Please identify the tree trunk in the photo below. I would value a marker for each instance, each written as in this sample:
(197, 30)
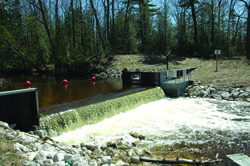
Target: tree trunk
(248, 33)
(195, 27)
(165, 26)
(231, 8)
(108, 36)
(44, 21)
(219, 24)
(126, 25)
(46, 27)
(73, 22)
(113, 26)
(212, 25)
(97, 24)
(248, 29)
(24, 58)
(82, 37)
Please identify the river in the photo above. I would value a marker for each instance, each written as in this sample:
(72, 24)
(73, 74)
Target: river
(193, 128)
(54, 96)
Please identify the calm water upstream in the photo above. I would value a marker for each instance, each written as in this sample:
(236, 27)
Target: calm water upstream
(53, 95)
(191, 127)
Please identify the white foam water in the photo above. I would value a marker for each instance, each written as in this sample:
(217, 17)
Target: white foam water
(172, 121)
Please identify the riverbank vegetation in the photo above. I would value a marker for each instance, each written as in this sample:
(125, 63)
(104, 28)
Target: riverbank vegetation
(8, 155)
(48, 35)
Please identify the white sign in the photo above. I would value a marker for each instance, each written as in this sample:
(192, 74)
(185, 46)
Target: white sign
(171, 73)
(217, 52)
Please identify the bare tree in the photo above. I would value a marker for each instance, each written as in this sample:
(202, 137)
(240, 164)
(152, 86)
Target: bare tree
(248, 28)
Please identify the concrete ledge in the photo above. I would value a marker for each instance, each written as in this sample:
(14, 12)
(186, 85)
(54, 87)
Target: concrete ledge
(174, 88)
(237, 160)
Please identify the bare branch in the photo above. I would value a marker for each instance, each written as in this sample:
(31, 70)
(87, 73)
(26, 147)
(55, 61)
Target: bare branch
(245, 3)
(179, 161)
(34, 4)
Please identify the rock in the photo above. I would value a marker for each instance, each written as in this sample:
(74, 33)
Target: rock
(103, 75)
(121, 163)
(135, 159)
(58, 157)
(89, 147)
(27, 138)
(80, 163)
(11, 136)
(216, 96)
(49, 156)
(136, 135)
(68, 158)
(47, 162)
(60, 163)
(106, 159)
(235, 93)
(93, 163)
(135, 143)
(29, 163)
(211, 90)
(4, 125)
(40, 156)
(131, 152)
(41, 133)
(225, 95)
(112, 144)
(245, 94)
(21, 148)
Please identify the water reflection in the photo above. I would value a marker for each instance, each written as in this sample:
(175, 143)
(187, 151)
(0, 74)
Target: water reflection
(54, 95)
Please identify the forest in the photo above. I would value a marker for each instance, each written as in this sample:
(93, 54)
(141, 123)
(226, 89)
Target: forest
(68, 33)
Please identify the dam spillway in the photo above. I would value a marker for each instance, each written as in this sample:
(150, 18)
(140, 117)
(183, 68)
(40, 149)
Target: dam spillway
(59, 123)
(195, 128)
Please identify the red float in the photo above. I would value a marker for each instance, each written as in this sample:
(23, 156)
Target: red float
(28, 84)
(65, 82)
(93, 78)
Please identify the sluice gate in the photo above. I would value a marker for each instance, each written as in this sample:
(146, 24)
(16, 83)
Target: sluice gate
(173, 82)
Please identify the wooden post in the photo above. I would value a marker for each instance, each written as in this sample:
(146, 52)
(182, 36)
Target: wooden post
(216, 70)
(217, 53)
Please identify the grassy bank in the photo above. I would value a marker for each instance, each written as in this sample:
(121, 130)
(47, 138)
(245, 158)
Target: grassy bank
(233, 72)
(8, 155)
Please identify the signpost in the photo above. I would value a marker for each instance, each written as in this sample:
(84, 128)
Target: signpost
(217, 52)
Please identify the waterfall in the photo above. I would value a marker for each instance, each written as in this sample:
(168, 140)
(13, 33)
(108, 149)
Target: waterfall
(59, 123)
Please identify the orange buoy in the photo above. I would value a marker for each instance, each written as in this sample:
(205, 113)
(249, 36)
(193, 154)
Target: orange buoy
(65, 82)
(93, 78)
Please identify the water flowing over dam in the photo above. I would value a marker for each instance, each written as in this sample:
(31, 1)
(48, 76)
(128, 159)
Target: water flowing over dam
(191, 127)
(58, 123)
